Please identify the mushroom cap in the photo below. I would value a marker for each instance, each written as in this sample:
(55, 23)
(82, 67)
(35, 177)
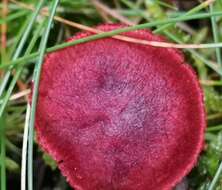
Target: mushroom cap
(120, 116)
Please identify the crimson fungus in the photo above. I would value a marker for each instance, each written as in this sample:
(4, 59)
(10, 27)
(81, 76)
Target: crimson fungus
(120, 116)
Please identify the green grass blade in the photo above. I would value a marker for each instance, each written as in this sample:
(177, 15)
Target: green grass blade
(215, 35)
(216, 177)
(21, 45)
(3, 154)
(18, 37)
(165, 4)
(218, 56)
(196, 54)
(191, 16)
(190, 12)
(11, 147)
(19, 70)
(24, 149)
(215, 128)
(14, 16)
(36, 78)
(32, 56)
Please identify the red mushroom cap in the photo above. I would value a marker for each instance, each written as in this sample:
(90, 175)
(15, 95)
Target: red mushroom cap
(120, 116)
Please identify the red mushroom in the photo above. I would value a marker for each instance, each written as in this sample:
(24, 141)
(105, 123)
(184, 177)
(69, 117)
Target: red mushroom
(120, 116)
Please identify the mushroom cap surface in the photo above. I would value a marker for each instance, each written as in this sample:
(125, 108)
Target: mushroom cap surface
(120, 116)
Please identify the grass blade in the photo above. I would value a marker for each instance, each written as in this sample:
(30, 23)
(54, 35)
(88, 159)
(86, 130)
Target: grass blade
(109, 34)
(13, 16)
(216, 177)
(215, 128)
(3, 154)
(36, 78)
(24, 149)
(19, 70)
(173, 37)
(192, 11)
(21, 45)
(215, 35)
(218, 56)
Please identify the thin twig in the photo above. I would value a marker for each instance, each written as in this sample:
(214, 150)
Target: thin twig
(211, 82)
(20, 94)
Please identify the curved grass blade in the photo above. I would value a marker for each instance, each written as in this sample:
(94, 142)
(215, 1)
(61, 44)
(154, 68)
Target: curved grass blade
(24, 149)
(37, 72)
(21, 45)
(19, 70)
